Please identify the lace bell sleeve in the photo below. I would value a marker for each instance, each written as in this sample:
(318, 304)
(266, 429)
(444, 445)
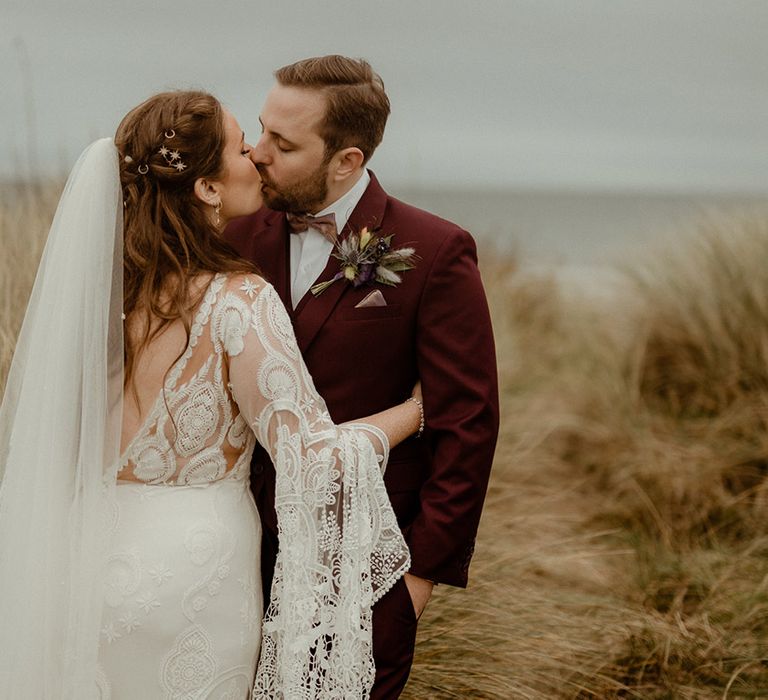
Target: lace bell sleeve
(340, 546)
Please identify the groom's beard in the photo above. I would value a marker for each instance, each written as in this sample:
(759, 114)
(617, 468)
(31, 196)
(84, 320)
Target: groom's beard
(304, 196)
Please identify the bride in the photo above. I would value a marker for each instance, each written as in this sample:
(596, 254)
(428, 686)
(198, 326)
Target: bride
(150, 362)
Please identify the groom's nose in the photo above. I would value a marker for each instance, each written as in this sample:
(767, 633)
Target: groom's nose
(259, 153)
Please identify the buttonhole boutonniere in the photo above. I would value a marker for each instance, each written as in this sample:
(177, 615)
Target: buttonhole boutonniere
(367, 258)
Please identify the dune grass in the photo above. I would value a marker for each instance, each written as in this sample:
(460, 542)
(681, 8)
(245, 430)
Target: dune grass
(26, 212)
(623, 550)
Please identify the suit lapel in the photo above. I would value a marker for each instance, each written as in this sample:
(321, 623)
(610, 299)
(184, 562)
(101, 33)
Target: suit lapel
(312, 312)
(274, 250)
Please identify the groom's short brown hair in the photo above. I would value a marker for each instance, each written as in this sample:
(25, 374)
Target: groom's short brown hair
(357, 106)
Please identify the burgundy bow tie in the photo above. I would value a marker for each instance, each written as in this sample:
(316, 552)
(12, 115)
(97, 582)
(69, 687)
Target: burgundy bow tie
(326, 224)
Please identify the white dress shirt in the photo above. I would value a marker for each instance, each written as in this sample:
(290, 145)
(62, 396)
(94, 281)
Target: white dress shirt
(310, 250)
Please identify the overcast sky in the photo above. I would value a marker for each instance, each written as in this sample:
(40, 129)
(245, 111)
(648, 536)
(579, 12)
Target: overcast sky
(617, 94)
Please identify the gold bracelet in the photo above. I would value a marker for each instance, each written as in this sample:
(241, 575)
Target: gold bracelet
(421, 414)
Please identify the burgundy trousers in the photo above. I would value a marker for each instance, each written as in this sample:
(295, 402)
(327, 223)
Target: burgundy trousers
(394, 637)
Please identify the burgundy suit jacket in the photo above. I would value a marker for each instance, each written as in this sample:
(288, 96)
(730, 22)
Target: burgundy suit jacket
(435, 327)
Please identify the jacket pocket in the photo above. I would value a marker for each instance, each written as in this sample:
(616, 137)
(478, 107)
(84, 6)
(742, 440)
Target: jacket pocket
(370, 313)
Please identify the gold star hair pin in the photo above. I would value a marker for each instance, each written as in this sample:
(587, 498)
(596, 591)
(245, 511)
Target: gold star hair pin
(172, 158)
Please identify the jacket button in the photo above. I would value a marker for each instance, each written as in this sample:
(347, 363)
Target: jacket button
(257, 468)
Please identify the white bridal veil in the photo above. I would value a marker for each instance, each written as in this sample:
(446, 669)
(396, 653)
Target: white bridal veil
(59, 442)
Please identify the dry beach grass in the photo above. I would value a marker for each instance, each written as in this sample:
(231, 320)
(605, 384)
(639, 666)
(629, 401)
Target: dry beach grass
(622, 553)
(623, 548)
(25, 215)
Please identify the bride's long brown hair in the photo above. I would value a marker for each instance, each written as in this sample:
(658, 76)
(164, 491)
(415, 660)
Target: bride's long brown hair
(169, 239)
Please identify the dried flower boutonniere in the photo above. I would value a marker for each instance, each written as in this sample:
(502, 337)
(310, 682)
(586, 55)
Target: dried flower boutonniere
(368, 258)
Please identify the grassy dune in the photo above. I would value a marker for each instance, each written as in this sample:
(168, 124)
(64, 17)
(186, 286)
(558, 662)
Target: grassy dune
(623, 547)
(25, 215)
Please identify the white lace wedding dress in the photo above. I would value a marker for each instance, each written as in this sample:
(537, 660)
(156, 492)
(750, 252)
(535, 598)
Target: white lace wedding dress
(182, 615)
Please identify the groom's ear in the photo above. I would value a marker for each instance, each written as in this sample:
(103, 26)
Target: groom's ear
(347, 161)
(207, 191)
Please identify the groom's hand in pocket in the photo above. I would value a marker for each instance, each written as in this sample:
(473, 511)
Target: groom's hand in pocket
(420, 590)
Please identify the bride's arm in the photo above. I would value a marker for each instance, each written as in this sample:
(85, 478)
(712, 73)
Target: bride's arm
(398, 422)
(341, 547)
(271, 383)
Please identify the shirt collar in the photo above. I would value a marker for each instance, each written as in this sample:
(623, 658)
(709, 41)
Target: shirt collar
(343, 207)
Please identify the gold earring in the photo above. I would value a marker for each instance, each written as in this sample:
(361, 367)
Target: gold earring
(217, 212)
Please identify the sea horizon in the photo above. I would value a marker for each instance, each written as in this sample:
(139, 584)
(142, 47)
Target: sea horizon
(561, 226)
(557, 226)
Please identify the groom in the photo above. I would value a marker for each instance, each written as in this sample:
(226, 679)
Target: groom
(366, 347)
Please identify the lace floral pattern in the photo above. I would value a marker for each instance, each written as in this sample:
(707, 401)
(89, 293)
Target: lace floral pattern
(190, 665)
(242, 379)
(193, 424)
(340, 546)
